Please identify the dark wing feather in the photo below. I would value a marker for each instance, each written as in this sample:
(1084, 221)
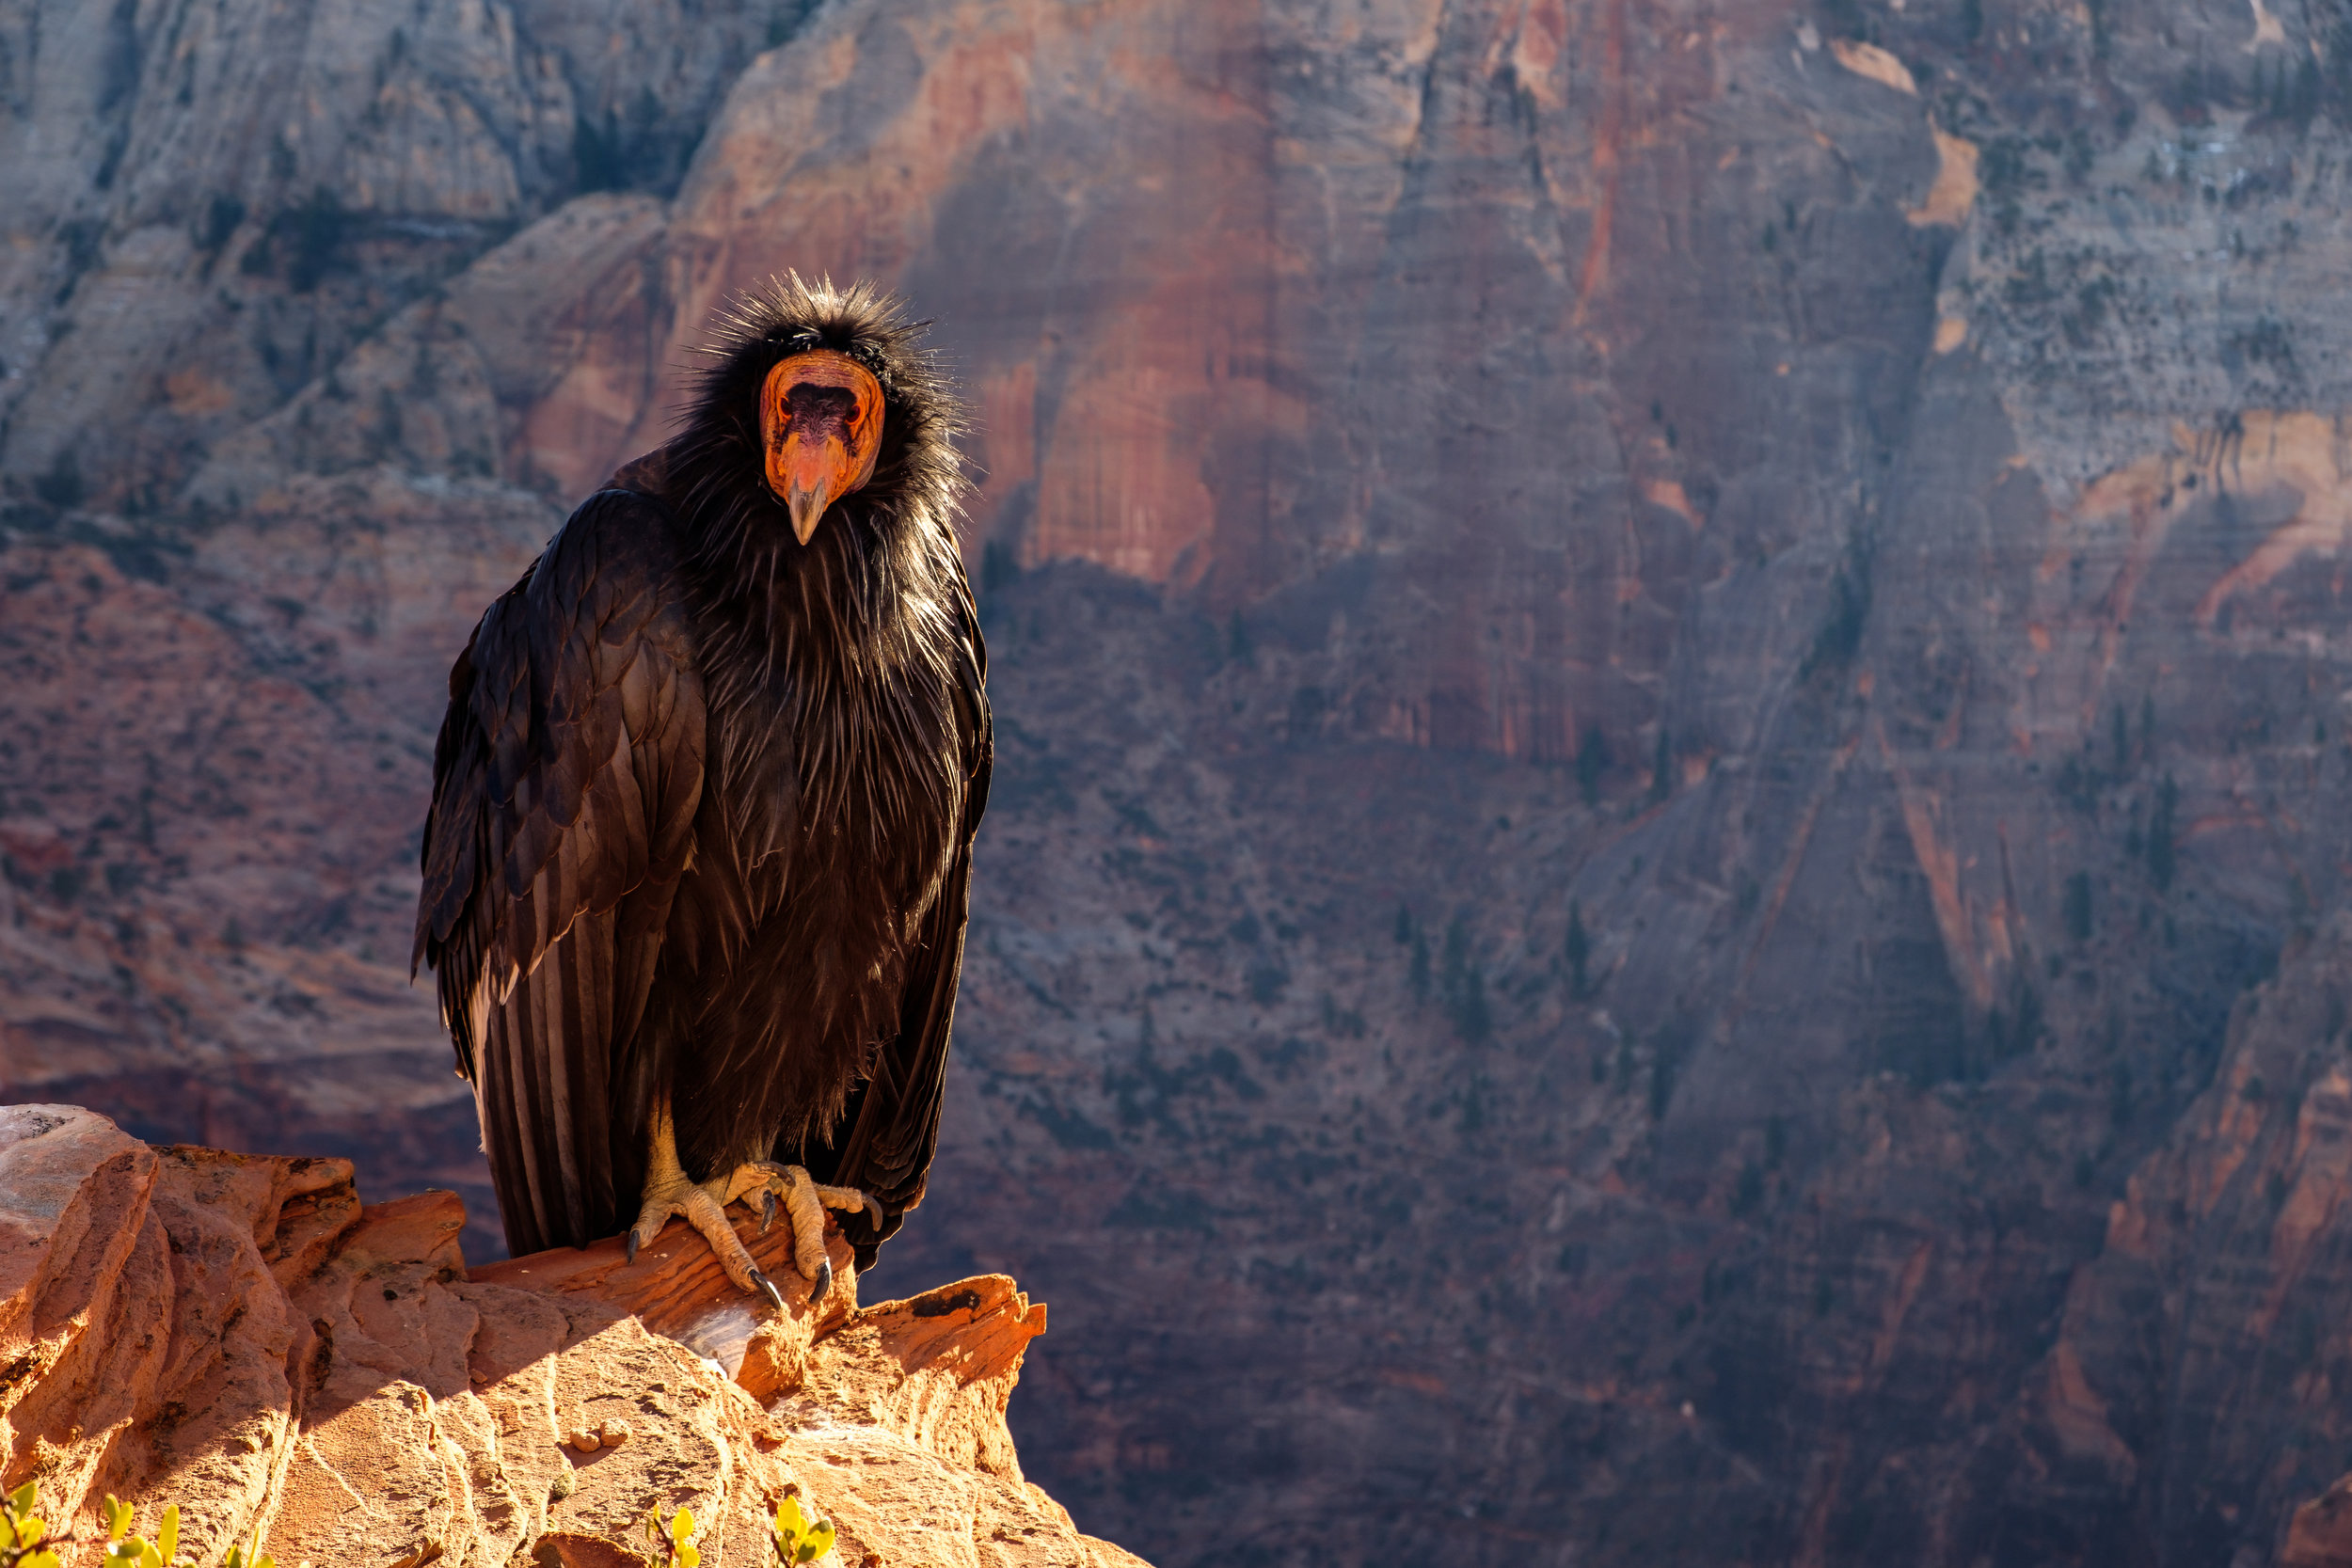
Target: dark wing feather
(564, 784)
(891, 1124)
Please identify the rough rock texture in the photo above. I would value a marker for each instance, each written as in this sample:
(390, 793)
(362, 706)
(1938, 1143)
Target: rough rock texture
(237, 1335)
(1666, 667)
(2201, 1369)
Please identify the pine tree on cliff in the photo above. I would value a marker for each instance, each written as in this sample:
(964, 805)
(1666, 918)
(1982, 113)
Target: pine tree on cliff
(698, 861)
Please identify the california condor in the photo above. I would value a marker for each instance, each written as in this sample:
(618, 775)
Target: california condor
(699, 855)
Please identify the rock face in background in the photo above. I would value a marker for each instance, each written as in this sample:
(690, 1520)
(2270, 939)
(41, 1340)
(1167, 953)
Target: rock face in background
(1673, 672)
(236, 1335)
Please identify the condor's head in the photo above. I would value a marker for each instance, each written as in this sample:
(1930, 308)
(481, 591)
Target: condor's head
(820, 410)
(820, 424)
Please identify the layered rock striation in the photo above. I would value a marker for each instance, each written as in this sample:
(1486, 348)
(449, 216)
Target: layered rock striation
(238, 1335)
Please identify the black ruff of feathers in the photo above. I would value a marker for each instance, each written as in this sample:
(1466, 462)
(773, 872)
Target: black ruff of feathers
(703, 807)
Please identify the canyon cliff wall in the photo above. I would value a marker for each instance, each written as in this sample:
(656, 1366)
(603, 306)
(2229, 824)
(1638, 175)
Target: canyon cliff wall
(1670, 671)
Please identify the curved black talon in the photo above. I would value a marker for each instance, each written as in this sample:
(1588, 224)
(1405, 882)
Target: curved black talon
(767, 1210)
(873, 1210)
(823, 1282)
(768, 1286)
(630, 1246)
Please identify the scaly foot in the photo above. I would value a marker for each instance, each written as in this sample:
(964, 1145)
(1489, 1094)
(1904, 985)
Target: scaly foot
(703, 1205)
(805, 1200)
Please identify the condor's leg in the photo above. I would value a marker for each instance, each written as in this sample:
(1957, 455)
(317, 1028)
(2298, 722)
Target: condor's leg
(700, 1204)
(805, 1200)
(703, 1205)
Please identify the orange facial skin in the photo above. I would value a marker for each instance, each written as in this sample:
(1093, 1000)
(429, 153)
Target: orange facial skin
(820, 419)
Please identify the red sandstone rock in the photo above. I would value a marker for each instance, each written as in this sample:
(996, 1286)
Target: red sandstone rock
(237, 1334)
(2319, 1535)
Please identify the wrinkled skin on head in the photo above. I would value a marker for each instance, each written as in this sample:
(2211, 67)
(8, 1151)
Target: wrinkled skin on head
(820, 419)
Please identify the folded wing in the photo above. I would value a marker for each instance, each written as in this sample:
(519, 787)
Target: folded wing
(564, 786)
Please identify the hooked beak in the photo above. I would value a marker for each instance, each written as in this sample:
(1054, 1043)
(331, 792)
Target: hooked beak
(820, 417)
(811, 473)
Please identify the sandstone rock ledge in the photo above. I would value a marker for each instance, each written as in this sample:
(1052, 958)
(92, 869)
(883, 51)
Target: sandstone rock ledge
(239, 1335)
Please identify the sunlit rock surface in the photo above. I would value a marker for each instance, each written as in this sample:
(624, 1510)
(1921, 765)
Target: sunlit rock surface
(236, 1335)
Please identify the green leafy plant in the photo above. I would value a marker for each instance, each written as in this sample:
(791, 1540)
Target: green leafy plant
(248, 1556)
(24, 1538)
(124, 1547)
(674, 1542)
(799, 1538)
(26, 1541)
